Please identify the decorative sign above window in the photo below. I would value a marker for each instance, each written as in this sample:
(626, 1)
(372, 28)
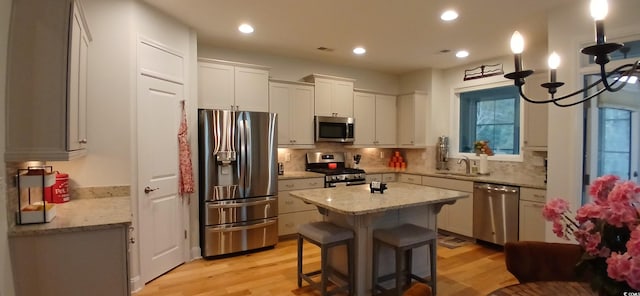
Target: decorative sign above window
(483, 71)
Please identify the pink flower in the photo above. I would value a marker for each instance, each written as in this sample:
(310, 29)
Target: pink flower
(592, 243)
(554, 209)
(633, 276)
(558, 228)
(620, 214)
(618, 266)
(615, 204)
(588, 211)
(622, 193)
(633, 245)
(600, 188)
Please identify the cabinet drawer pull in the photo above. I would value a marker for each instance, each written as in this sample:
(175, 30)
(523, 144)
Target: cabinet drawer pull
(288, 185)
(313, 183)
(83, 141)
(289, 202)
(538, 196)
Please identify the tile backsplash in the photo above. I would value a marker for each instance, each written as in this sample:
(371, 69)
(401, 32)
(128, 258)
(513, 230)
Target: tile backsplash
(370, 156)
(418, 160)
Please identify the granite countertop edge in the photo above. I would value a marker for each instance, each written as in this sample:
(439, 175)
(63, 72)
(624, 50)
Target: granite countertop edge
(81, 215)
(353, 197)
(373, 211)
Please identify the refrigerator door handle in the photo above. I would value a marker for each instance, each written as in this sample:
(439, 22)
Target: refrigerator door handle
(229, 204)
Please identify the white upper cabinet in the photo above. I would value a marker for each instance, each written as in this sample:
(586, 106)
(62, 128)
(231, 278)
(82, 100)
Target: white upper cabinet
(333, 95)
(228, 85)
(47, 81)
(293, 102)
(412, 119)
(535, 115)
(375, 116)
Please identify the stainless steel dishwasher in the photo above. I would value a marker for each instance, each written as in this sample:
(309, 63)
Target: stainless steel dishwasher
(495, 212)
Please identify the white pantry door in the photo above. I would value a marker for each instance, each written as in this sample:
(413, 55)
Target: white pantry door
(159, 205)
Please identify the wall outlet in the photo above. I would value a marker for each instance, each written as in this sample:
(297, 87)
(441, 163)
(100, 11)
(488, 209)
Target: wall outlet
(381, 154)
(287, 157)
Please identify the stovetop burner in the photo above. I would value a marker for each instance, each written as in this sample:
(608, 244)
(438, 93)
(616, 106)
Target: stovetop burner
(337, 171)
(333, 167)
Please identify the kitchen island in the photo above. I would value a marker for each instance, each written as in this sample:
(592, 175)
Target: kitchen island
(356, 208)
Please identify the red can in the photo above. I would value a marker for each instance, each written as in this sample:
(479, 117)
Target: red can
(59, 191)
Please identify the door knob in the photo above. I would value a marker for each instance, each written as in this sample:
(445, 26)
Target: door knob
(149, 189)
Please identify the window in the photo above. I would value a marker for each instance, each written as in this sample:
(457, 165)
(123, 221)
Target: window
(614, 143)
(492, 115)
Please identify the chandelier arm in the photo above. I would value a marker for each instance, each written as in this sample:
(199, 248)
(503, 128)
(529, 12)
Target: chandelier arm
(530, 100)
(557, 99)
(622, 72)
(581, 101)
(633, 67)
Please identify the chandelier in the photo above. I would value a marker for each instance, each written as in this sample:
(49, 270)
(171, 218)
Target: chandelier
(599, 51)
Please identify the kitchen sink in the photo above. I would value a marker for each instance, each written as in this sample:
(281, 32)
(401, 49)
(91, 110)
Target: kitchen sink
(456, 174)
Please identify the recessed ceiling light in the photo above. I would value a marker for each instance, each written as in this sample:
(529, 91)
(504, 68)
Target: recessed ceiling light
(245, 28)
(449, 15)
(359, 50)
(462, 54)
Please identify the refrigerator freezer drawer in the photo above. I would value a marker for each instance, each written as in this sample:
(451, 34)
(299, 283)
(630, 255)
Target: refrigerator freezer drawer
(219, 240)
(242, 210)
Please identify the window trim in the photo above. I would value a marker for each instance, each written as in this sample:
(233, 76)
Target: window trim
(454, 125)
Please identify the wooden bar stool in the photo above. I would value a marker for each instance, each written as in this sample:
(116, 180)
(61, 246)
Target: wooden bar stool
(326, 235)
(403, 239)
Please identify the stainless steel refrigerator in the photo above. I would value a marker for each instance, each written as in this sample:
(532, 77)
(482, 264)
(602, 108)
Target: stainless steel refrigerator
(238, 183)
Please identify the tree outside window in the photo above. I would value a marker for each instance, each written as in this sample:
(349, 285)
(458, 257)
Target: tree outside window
(492, 115)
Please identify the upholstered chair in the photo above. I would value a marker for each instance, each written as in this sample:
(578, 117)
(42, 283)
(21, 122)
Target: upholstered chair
(531, 261)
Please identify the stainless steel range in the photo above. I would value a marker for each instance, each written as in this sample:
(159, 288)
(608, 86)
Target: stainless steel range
(333, 167)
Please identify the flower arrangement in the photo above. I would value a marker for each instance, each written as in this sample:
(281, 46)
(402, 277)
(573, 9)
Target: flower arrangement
(482, 147)
(608, 229)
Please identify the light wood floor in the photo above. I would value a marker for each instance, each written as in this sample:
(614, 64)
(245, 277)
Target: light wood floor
(467, 270)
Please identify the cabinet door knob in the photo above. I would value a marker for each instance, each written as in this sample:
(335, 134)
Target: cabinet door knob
(83, 141)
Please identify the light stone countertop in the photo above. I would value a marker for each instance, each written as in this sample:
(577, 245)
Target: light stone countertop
(299, 175)
(82, 215)
(358, 200)
(513, 180)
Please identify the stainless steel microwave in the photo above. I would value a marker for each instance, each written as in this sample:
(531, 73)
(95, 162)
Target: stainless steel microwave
(334, 129)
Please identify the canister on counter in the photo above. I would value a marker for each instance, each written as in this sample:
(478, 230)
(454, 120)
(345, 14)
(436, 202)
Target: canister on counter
(59, 191)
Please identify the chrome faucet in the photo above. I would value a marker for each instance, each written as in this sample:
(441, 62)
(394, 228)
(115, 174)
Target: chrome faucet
(467, 167)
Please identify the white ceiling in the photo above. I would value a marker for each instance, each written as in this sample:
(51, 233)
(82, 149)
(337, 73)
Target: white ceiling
(400, 35)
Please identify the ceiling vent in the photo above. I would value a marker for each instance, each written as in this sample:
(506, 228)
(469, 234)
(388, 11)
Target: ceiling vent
(322, 48)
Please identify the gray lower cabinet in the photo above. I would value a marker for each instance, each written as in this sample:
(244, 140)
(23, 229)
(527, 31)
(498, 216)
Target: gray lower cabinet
(87, 262)
(385, 178)
(293, 211)
(531, 224)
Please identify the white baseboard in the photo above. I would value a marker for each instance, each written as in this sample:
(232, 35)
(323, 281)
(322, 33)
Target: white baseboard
(195, 253)
(136, 284)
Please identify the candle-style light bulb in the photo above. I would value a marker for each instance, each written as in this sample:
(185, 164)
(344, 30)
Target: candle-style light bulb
(517, 43)
(554, 62)
(599, 10)
(517, 47)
